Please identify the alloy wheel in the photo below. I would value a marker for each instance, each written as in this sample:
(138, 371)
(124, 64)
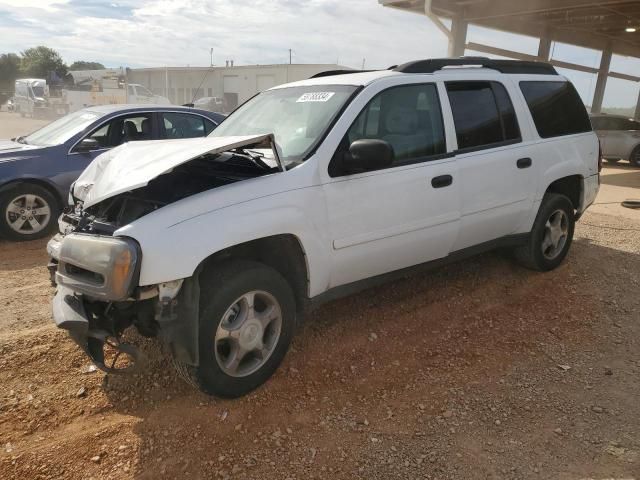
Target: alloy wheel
(28, 214)
(248, 333)
(555, 234)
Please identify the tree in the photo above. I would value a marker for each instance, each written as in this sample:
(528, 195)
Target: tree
(82, 65)
(38, 62)
(9, 70)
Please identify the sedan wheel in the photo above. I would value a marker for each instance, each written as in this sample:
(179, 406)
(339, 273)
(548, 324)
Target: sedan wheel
(28, 214)
(635, 157)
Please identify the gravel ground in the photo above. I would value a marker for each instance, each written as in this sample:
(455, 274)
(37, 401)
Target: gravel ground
(477, 370)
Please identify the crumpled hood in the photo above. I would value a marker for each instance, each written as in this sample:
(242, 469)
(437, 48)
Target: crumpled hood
(9, 146)
(134, 164)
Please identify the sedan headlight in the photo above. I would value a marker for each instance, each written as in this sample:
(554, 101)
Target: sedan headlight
(98, 266)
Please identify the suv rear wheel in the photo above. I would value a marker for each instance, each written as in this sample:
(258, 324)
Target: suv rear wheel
(635, 157)
(551, 235)
(247, 321)
(27, 212)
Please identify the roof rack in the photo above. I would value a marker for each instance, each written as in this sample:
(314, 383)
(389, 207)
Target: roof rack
(504, 66)
(330, 73)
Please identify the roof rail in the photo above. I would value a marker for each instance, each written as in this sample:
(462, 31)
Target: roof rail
(504, 66)
(330, 73)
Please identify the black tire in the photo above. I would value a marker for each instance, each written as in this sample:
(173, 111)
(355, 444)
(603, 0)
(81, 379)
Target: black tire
(612, 160)
(531, 254)
(44, 196)
(221, 287)
(635, 157)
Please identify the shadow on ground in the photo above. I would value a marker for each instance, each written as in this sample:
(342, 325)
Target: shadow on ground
(476, 370)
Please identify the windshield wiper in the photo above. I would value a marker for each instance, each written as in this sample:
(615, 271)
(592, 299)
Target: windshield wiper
(256, 158)
(21, 139)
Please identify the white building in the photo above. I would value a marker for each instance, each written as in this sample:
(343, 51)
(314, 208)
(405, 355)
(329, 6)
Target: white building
(235, 84)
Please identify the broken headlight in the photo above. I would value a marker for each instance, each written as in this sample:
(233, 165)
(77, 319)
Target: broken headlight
(98, 266)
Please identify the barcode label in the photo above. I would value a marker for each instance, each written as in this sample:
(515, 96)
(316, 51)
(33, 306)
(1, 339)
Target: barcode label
(315, 97)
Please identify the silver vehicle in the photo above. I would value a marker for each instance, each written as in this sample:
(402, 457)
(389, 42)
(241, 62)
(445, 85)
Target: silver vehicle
(31, 96)
(211, 104)
(619, 137)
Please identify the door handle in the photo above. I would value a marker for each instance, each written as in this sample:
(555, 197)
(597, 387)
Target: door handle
(441, 181)
(524, 162)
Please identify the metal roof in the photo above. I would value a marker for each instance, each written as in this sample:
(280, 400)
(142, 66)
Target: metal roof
(586, 23)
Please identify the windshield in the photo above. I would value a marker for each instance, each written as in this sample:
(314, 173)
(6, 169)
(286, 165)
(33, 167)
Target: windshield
(142, 91)
(297, 116)
(38, 91)
(62, 129)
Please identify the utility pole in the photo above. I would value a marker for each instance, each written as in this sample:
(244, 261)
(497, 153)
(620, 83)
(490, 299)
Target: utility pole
(363, 60)
(289, 56)
(211, 55)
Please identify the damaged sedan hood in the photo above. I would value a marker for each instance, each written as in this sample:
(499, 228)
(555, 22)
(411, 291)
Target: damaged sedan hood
(135, 164)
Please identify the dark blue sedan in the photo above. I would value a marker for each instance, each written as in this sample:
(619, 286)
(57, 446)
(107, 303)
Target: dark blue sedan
(37, 170)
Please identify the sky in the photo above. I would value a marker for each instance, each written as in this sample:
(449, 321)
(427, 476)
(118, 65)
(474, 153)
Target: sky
(144, 33)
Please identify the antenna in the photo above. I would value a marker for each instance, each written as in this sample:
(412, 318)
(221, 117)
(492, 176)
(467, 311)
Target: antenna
(198, 89)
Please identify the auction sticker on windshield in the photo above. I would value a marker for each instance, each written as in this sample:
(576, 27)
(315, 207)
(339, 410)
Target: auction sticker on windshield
(315, 97)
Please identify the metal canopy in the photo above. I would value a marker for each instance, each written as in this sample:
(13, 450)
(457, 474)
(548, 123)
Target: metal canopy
(593, 24)
(611, 26)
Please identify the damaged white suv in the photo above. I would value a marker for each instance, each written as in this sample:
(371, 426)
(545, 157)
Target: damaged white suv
(314, 190)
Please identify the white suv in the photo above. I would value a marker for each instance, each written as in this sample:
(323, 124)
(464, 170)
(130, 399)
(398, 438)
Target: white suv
(314, 190)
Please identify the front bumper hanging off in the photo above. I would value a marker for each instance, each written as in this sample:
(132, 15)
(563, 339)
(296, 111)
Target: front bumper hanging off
(69, 313)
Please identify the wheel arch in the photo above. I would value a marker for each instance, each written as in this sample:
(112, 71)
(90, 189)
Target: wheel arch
(283, 252)
(41, 182)
(570, 186)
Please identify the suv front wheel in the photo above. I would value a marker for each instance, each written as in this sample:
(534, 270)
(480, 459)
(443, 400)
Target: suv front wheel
(247, 321)
(551, 235)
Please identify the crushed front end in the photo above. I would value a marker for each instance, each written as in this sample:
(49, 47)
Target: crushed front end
(97, 271)
(98, 298)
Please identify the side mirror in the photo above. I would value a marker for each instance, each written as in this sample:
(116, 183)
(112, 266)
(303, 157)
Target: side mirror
(87, 145)
(368, 154)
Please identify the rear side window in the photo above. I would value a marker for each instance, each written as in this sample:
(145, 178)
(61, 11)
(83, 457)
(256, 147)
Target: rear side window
(556, 108)
(185, 125)
(616, 123)
(482, 113)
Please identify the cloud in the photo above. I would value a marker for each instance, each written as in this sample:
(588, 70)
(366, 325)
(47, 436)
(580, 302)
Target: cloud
(139, 33)
(173, 32)
(49, 5)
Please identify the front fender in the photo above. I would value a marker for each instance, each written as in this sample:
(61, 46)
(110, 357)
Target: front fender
(174, 251)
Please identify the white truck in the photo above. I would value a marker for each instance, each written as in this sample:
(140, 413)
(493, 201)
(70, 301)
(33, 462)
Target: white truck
(314, 190)
(31, 97)
(106, 87)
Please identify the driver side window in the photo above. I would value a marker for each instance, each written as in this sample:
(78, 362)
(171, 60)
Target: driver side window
(125, 128)
(407, 117)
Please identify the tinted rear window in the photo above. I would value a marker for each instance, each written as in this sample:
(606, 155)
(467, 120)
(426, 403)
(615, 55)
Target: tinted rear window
(482, 113)
(556, 108)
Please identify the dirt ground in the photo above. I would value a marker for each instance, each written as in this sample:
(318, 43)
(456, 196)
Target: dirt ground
(479, 370)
